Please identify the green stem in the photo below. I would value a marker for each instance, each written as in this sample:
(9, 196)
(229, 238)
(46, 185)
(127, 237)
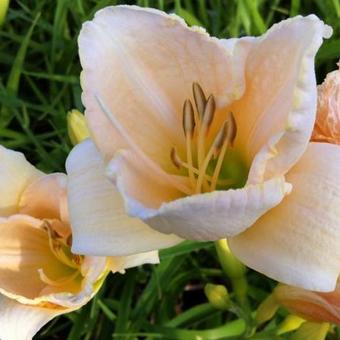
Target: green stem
(234, 269)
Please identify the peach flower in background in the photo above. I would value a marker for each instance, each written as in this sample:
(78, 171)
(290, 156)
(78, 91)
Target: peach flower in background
(40, 277)
(199, 138)
(313, 306)
(327, 124)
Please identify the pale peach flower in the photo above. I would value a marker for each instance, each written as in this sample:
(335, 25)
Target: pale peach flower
(313, 306)
(327, 124)
(200, 138)
(40, 277)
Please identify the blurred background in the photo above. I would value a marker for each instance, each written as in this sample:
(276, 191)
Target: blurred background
(39, 83)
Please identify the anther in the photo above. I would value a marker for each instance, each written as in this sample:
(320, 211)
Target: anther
(232, 128)
(220, 139)
(175, 159)
(69, 240)
(209, 112)
(51, 232)
(188, 118)
(77, 259)
(200, 100)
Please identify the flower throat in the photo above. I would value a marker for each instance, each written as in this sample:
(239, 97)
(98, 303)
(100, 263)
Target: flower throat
(196, 126)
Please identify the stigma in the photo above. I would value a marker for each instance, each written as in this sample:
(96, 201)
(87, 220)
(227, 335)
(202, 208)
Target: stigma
(197, 120)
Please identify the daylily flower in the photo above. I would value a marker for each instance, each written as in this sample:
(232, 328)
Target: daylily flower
(327, 124)
(313, 306)
(200, 138)
(40, 277)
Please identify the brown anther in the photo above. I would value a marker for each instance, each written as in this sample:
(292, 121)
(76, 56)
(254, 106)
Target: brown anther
(69, 240)
(188, 118)
(209, 113)
(175, 159)
(200, 100)
(220, 139)
(51, 232)
(76, 259)
(232, 128)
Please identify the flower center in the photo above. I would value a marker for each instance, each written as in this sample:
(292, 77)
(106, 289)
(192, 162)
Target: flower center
(61, 249)
(203, 165)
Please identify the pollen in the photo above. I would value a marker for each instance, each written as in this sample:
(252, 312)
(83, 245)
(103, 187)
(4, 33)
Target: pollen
(197, 122)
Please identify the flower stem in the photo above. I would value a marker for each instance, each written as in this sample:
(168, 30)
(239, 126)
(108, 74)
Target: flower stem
(234, 269)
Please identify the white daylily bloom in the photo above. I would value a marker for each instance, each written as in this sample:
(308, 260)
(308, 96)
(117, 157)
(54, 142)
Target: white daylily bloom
(40, 277)
(200, 138)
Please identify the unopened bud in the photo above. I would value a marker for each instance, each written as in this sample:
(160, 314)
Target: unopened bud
(290, 323)
(3, 10)
(218, 296)
(267, 309)
(312, 330)
(77, 127)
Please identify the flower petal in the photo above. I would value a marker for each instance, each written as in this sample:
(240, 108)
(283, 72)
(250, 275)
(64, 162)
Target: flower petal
(98, 219)
(319, 307)
(280, 97)
(16, 173)
(297, 242)
(229, 212)
(24, 250)
(22, 322)
(120, 263)
(44, 197)
(145, 80)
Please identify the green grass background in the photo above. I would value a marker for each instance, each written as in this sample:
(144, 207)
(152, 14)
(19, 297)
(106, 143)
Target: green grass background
(39, 83)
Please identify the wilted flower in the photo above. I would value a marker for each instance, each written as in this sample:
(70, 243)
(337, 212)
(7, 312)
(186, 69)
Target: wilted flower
(40, 277)
(199, 138)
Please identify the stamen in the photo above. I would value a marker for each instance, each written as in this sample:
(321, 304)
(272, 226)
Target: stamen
(180, 164)
(59, 247)
(69, 240)
(209, 113)
(203, 169)
(189, 128)
(176, 161)
(208, 117)
(77, 259)
(219, 139)
(199, 98)
(232, 128)
(229, 137)
(188, 119)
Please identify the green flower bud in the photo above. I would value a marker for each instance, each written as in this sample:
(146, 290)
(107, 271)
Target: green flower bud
(218, 296)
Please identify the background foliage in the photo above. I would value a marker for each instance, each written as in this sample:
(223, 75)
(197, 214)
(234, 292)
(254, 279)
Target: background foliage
(39, 83)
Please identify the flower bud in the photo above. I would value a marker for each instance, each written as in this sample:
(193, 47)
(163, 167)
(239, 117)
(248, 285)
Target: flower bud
(312, 330)
(313, 306)
(218, 296)
(3, 10)
(290, 323)
(266, 310)
(77, 127)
